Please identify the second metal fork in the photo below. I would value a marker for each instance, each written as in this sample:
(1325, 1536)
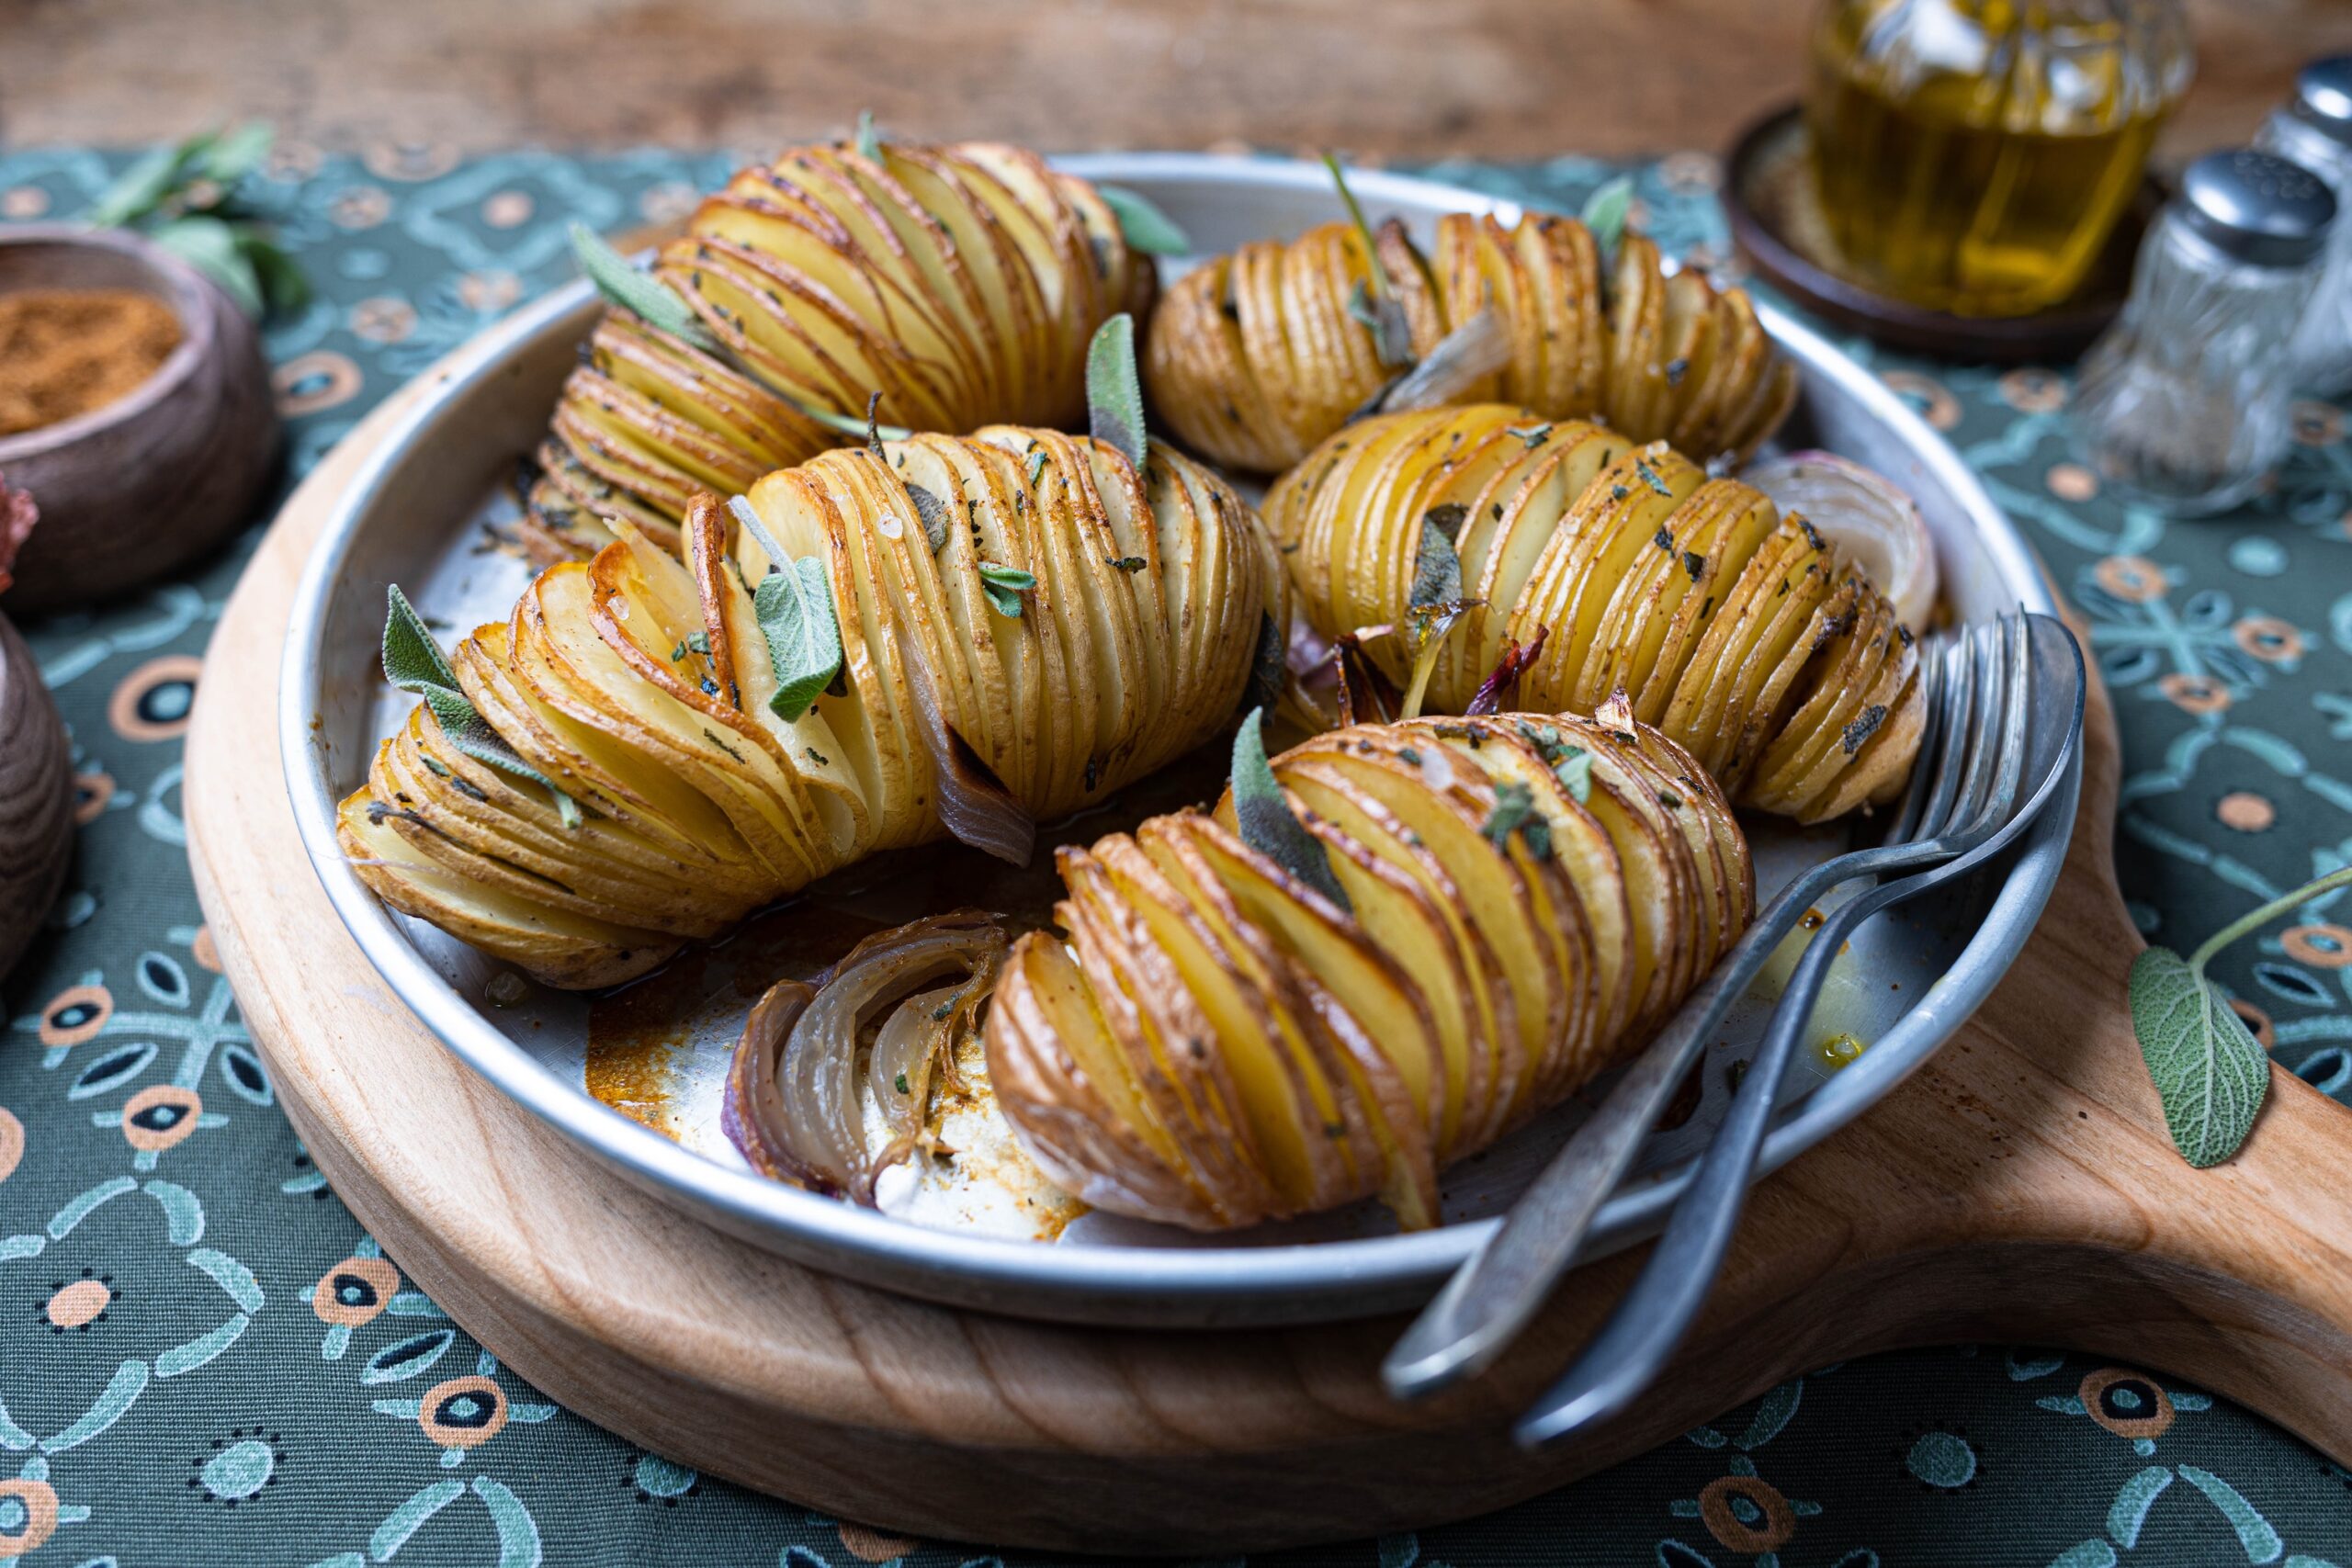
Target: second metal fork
(1972, 756)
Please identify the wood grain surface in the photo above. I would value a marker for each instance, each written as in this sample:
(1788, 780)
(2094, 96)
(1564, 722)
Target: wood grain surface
(36, 797)
(1380, 78)
(2019, 1187)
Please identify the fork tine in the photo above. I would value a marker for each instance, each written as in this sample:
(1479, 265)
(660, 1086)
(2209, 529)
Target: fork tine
(1985, 728)
(1931, 734)
(2018, 694)
(1951, 756)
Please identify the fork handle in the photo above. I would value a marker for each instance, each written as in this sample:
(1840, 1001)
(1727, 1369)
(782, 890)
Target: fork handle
(1651, 1319)
(1491, 1297)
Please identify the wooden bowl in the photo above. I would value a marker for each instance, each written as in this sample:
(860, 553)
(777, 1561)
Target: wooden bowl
(143, 486)
(1776, 223)
(36, 797)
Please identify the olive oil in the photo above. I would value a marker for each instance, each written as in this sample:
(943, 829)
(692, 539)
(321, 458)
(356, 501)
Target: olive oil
(1974, 155)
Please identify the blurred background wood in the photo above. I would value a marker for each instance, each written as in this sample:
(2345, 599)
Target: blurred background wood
(1395, 78)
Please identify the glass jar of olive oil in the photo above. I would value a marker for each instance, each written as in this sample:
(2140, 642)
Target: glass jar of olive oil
(1972, 155)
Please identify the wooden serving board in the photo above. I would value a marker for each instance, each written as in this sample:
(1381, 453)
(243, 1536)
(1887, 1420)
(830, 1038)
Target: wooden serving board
(2019, 1187)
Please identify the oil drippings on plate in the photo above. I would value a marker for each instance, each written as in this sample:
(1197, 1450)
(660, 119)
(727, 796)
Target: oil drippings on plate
(659, 1048)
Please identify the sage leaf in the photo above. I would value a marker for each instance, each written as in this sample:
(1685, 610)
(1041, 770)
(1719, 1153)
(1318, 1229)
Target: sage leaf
(141, 188)
(1142, 224)
(640, 293)
(795, 609)
(209, 245)
(869, 141)
(1604, 213)
(1437, 569)
(932, 512)
(1574, 773)
(1374, 305)
(1004, 585)
(1113, 391)
(1267, 664)
(233, 155)
(2209, 1070)
(1268, 825)
(414, 662)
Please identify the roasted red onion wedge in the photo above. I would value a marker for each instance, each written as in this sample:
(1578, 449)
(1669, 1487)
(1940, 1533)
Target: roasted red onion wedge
(792, 1103)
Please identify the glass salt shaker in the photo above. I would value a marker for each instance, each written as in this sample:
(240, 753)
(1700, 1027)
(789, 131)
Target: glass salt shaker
(2183, 404)
(2315, 128)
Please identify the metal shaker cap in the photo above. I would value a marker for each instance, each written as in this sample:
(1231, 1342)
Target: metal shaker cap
(2256, 208)
(2324, 96)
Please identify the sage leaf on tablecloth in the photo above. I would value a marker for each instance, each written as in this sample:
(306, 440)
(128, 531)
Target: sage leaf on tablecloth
(1268, 825)
(640, 293)
(209, 245)
(414, 662)
(1142, 224)
(1113, 390)
(2209, 1070)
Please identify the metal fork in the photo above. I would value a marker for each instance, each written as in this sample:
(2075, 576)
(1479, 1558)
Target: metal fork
(1973, 755)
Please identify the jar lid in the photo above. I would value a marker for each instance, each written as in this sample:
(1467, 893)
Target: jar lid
(2324, 96)
(2256, 208)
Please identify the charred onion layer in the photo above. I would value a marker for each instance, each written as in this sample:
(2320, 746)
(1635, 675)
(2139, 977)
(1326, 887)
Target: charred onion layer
(1740, 631)
(1216, 1043)
(1255, 358)
(639, 684)
(962, 282)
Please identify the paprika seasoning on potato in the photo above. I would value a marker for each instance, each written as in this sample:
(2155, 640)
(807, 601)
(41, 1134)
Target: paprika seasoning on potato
(68, 352)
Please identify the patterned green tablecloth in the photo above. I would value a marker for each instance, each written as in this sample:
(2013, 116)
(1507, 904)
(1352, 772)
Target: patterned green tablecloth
(204, 1359)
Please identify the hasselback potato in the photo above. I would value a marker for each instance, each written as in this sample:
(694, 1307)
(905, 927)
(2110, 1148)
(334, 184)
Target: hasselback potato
(1521, 899)
(1744, 634)
(1255, 358)
(643, 690)
(962, 282)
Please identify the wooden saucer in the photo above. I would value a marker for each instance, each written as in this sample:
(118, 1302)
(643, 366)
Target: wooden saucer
(2019, 1187)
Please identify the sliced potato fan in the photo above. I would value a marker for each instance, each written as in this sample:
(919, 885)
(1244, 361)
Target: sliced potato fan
(1213, 1042)
(639, 685)
(1739, 631)
(1255, 358)
(961, 282)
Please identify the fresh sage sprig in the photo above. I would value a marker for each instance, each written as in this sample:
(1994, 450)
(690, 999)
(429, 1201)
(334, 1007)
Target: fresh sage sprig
(1376, 305)
(794, 604)
(869, 140)
(1266, 821)
(1142, 225)
(1004, 585)
(189, 198)
(415, 662)
(2209, 1070)
(641, 293)
(1113, 390)
(1604, 213)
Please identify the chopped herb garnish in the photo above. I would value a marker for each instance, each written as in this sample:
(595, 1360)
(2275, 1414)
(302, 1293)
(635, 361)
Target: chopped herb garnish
(932, 512)
(1649, 476)
(818, 757)
(1694, 563)
(901, 1080)
(1574, 773)
(1534, 436)
(712, 735)
(1126, 563)
(1863, 728)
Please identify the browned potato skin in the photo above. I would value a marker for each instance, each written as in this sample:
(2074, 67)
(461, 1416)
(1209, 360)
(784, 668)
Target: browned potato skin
(1254, 358)
(1214, 1044)
(701, 804)
(963, 282)
(1739, 633)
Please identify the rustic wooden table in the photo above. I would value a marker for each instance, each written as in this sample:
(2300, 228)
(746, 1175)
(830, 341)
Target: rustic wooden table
(1379, 78)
